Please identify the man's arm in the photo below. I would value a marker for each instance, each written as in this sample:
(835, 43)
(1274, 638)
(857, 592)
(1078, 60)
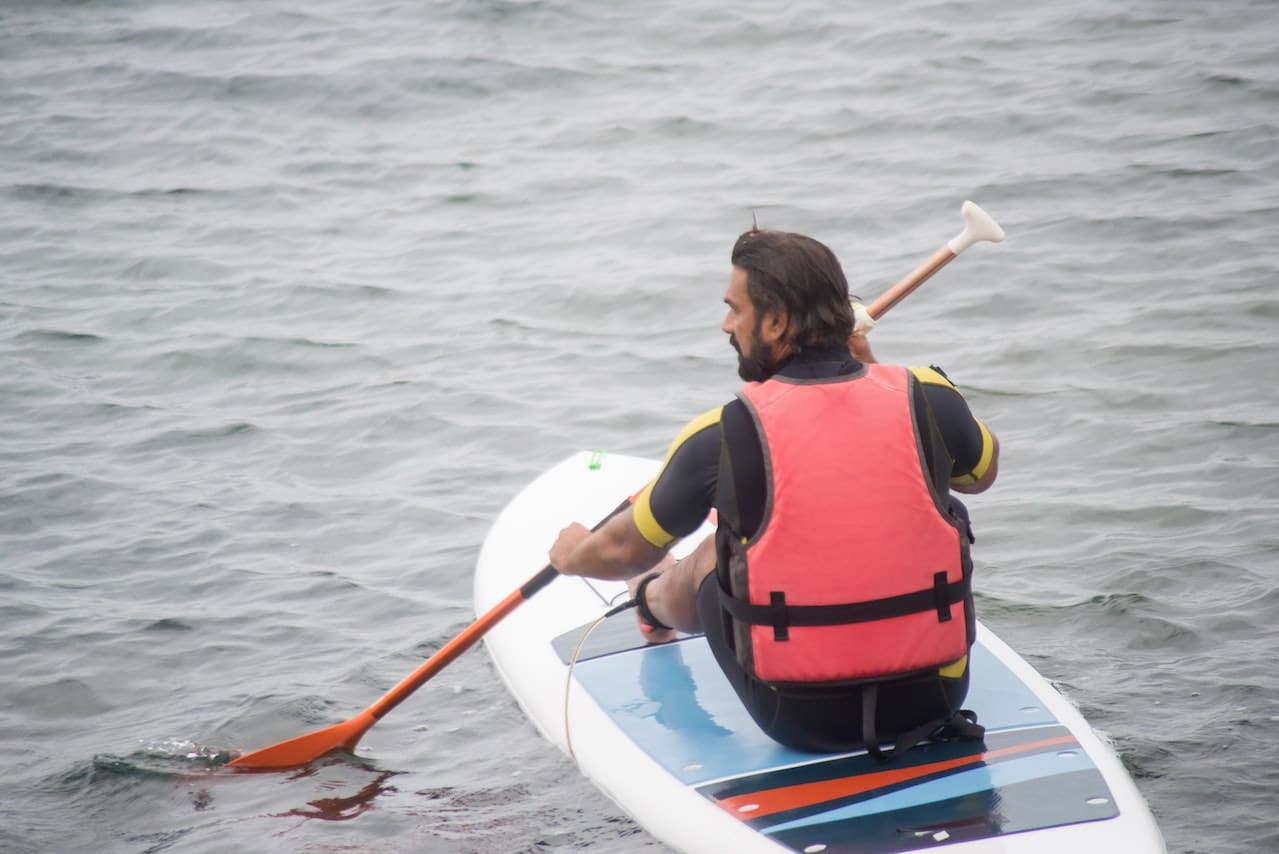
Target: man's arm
(672, 596)
(973, 448)
(673, 505)
(971, 484)
(614, 552)
(976, 451)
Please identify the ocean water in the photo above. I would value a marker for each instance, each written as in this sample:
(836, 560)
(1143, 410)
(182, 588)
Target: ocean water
(294, 297)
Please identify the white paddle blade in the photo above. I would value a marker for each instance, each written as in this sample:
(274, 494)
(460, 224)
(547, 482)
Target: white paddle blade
(978, 226)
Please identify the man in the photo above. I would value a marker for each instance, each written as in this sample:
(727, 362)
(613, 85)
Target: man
(835, 593)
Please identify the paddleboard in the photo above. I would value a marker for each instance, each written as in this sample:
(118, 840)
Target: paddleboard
(659, 730)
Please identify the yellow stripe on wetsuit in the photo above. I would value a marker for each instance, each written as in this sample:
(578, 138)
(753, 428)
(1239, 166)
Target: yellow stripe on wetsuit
(645, 521)
(932, 376)
(987, 453)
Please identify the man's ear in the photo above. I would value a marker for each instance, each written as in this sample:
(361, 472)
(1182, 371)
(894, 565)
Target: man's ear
(772, 329)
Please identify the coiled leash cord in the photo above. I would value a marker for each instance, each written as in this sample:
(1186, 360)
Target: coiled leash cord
(572, 662)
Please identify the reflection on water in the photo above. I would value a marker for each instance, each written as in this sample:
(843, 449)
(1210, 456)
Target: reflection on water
(189, 764)
(344, 807)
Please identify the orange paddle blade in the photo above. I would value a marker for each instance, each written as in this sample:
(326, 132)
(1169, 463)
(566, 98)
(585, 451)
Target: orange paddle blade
(306, 748)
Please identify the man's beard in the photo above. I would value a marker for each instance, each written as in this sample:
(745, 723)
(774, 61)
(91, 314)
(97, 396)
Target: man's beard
(760, 365)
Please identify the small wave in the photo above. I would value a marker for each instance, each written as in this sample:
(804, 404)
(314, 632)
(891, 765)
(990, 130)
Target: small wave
(169, 624)
(303, 342)
(61, 698)
(1144, 626)
(50, 192)
(59, 336)
(164, 759)
(185, 438)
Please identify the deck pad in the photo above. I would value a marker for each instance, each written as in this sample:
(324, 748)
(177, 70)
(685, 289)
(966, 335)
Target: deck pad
(672, 700)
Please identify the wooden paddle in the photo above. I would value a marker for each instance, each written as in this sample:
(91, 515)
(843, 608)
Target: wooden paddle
(978, 226)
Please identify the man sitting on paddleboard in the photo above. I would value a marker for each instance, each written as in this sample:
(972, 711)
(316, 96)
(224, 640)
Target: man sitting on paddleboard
(836, 592)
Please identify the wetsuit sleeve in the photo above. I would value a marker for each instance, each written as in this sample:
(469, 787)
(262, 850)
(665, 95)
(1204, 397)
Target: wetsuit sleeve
(678, 500)
(967, 440)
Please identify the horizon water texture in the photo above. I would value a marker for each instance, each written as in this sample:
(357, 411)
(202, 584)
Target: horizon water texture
(294, 298)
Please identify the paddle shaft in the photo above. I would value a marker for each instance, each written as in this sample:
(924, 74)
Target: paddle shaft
(472, 633)
(978, 226)
(463, 641)
(917, 277)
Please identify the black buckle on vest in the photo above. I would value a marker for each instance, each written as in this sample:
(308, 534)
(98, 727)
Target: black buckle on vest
(941, 596)
(780, 617)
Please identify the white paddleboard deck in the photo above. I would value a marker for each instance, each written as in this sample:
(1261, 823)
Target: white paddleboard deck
(660, 731)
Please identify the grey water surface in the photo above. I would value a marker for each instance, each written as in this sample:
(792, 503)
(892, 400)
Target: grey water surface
(294, 297)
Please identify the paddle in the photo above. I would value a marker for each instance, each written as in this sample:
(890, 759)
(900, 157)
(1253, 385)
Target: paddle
(307, 748)
(978, 226)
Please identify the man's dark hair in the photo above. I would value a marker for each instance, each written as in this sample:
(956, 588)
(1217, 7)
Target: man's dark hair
(799, 276)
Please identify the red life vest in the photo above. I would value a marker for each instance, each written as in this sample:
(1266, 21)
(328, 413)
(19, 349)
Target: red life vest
(857, 572)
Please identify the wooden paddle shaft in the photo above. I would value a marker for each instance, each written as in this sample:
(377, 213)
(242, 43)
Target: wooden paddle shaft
(978, 226)
(917, 277)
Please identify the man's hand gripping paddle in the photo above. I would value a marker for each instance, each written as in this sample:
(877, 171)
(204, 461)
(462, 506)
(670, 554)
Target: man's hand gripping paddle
(978, 226)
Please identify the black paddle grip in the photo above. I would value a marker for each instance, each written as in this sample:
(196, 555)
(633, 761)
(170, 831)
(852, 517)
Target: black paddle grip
(537, 582)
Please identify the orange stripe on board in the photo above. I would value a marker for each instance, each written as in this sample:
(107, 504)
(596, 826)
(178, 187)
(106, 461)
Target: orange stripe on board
(769, 801)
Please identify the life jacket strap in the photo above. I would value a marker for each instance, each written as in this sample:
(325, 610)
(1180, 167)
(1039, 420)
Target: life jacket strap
(960, 725)
(870, 737)
(939, 598)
